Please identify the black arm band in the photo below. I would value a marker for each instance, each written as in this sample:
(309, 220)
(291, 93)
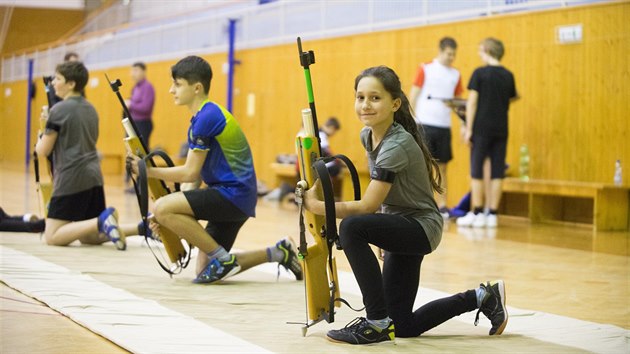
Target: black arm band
(384, 175)
(201, 141)
(53, 126)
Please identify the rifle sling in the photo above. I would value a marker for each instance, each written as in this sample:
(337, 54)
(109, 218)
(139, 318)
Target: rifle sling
(331, 233)
(141, 186)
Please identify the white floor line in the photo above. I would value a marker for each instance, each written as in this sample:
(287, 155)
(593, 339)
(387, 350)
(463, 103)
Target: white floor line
(136, 324)
(560, 330)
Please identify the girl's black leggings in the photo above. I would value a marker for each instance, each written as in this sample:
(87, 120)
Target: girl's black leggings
(393, 292)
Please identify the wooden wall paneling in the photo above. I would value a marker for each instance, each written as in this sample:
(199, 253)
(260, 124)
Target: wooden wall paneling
(572, 113)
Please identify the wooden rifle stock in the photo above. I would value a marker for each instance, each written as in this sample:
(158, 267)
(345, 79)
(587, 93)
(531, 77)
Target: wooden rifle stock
(157, 189)
(135, 145)
(44, 184)
(318, 278)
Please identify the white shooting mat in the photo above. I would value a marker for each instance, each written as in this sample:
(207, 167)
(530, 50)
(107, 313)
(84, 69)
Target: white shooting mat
(547, 327)
(136, 324)
(250, 311)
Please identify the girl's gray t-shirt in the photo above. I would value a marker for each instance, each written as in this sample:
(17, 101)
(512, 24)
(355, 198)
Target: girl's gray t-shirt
(411, 194)
(75, 161)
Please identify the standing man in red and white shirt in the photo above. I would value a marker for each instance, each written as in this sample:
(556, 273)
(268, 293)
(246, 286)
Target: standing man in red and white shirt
(437, 79)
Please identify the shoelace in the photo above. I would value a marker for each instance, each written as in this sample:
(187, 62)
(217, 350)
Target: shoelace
(287, 267)
(289, 263)
(477, 317)
(108, 233)
(208, 271)
(483, 308)
(357, 322)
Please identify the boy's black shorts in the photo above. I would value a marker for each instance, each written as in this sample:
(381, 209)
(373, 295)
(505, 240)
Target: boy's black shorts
(79, 206)
(224, 218)
(439, 142)
(493, 147)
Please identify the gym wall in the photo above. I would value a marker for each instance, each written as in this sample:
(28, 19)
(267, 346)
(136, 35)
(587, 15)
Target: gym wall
(570, 113)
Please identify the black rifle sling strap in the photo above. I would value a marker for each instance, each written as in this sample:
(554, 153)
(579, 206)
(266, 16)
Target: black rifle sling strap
(329, 197)
(331, 226)
(356, 185)
(36, 166)
(141, 185)
(331, 215)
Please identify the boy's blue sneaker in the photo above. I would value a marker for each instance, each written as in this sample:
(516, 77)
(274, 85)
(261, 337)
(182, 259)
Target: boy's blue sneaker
(291, 261)
(217, 270)
(108, 225)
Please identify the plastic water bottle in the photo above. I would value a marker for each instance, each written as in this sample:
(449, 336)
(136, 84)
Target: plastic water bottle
(618, 177)
(524, 163)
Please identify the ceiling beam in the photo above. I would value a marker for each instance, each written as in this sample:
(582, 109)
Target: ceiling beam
(46, 4)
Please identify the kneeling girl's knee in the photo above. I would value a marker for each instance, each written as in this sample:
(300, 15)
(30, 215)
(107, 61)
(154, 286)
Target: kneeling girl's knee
(350, 229)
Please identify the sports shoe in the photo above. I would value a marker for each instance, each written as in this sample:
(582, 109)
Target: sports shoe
(108, 225)
(491, 220)
(29, 218)
(360, 331)
(445, 213)
(493, 306)
(480, 220)
(217, 270)
(291, 261)
(148, 233)
(466, 220)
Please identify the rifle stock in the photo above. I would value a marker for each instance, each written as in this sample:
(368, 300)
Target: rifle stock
(172, 243)
(317, 278)
(44, 185)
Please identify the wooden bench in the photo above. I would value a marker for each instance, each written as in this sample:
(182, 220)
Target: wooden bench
(605, 206)
(285, 172)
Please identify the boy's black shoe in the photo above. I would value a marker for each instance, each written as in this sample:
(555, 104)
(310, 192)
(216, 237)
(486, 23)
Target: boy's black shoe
(360, 331)
(493, 306)
(291, 261)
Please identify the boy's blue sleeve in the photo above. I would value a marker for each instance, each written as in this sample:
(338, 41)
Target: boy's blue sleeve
(209, 123)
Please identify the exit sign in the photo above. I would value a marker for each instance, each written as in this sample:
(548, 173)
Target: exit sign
(569, 34)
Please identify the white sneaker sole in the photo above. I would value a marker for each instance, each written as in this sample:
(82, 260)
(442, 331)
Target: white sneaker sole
(501, 328)
(116, 235)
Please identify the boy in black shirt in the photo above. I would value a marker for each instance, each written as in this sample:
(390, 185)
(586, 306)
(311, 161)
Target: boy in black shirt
(490, 91)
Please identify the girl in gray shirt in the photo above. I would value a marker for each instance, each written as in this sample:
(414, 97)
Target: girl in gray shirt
(398, 214)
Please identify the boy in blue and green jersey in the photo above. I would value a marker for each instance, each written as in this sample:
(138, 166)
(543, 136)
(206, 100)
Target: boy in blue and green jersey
(219, 155)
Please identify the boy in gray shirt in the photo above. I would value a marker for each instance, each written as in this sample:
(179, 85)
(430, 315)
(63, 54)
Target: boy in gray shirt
(77, 207)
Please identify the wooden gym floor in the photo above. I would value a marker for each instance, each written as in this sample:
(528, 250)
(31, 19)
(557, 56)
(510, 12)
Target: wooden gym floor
(561, 270)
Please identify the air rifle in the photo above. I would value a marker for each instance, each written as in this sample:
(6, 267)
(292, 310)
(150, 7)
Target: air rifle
(44, 184)
(320, 269)
(458, 105)
(178, 254)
